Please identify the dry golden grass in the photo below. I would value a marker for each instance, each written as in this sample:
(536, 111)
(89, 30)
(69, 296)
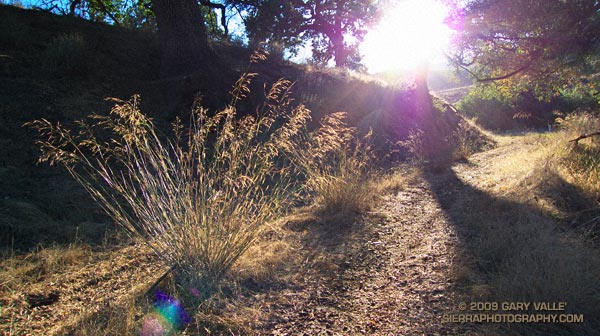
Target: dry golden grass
(22, 270)
(519, 255)
(393, 181)
(558, 176)
(200, 200)
(517, 221)
(122, 319)
(91, 287)
(337, 167)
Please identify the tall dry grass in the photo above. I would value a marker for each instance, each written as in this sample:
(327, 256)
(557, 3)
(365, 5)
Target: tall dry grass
(202, 197)
(198, 200)
(582, 157)
(338, 167)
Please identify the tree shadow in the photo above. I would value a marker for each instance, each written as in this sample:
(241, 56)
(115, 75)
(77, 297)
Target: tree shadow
(514, 252)
(577, 206)
(342, 242)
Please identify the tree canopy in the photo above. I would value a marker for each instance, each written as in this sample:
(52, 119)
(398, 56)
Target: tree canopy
(334, 28)
(548, 43)
(131, 13)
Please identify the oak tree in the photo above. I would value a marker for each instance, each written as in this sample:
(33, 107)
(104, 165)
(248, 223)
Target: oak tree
(548, 43)
(333, 27)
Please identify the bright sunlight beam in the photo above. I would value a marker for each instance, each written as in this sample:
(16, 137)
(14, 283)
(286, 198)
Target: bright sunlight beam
(411, 33)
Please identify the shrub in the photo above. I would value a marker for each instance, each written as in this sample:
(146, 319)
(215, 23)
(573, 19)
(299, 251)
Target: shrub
(494, 108)
(198, 200)
(489, 109)
(414, 144)
(464, 147)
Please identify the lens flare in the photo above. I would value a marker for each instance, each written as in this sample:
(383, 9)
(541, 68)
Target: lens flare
(168, 315)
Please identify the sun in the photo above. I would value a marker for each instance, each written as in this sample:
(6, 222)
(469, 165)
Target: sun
(410, 34)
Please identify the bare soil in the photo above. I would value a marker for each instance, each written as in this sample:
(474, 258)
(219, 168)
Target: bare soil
(392, 275)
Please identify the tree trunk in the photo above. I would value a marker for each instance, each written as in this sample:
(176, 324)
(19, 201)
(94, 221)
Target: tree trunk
(421, 87)
(182, 35)
(337, 39)
(339, 51)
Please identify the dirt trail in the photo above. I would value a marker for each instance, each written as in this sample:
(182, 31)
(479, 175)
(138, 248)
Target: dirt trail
(417, 282)
(500, 169)
(391, 277)
(404, 278)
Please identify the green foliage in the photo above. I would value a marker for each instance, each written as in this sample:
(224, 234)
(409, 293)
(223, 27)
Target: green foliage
(498, 107)
(489, 109)
(540, 44)
(325, 24)
(129, 13)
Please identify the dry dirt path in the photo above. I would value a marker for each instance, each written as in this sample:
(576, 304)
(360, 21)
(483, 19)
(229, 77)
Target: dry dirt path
(391, 276)
(399, 272)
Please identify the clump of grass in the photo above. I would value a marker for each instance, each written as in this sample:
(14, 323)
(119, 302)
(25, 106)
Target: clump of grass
(393, 181)
(464, 146)
(198, 200)
(567, 178)
(120, 319)
(582, 157)
(67, 54)
(42, 263)
(415, 146)
(337, 167)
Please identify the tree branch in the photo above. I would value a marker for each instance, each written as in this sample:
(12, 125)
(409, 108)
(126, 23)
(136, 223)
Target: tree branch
(239, 12)
(584, 136)
(221, 7)
(105, 10)
(72, 6)
(491, 79)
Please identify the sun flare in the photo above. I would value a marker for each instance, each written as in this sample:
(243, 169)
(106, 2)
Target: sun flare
(410, 34)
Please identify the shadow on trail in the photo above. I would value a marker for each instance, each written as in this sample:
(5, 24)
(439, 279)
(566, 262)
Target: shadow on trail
(340, 254)
(340, 245)
(515, 253)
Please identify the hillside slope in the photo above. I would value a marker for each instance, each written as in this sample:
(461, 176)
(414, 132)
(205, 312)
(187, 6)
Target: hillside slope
(63, 68)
